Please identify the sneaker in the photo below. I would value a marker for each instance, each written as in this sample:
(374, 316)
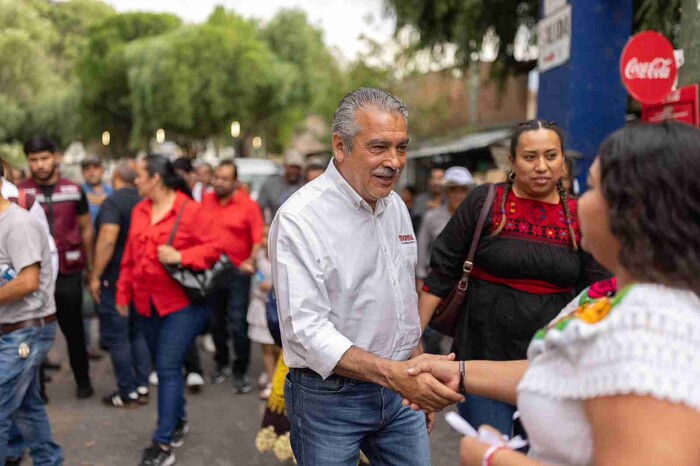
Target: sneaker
(241, 384)
(144, 395)
(84, 391)
(115, 400)
(155, 455)
(263, 381)
(208, 343)
(13, 461)
(153, 379)
(182, 429)
(195, 382)
(266, 392)
(220, 375)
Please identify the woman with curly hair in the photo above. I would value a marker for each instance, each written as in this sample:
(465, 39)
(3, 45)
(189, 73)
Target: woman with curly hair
(527, 266)
(613, 380)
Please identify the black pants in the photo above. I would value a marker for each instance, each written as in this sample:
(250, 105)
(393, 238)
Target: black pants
(230, 311)
(69, 311)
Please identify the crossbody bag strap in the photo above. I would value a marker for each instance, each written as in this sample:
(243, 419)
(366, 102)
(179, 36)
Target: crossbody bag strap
(177, 223)
(469, 263)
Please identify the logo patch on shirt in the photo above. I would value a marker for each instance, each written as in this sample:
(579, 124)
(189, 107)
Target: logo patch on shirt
(407, 239)
(69, 188)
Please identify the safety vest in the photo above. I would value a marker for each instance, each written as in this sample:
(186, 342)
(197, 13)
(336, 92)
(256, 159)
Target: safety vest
(62, 213)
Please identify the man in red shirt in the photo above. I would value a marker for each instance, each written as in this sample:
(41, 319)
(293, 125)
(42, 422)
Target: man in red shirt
(239, 228)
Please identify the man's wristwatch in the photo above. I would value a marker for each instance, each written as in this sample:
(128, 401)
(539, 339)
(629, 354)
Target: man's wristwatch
(462, 388)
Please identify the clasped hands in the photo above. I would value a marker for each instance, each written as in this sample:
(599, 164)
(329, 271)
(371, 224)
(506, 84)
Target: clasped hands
(429, 382)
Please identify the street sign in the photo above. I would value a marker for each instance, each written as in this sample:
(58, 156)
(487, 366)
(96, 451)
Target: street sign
(680, 105)
(648, 67)
(554, 39)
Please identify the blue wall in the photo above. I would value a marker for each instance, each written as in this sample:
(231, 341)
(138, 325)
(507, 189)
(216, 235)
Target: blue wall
(585, 96)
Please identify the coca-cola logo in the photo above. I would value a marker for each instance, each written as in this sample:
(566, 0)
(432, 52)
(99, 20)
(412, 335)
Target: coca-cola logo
(648, 67)
(658, 68)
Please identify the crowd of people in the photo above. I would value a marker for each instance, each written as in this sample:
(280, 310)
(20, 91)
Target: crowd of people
(580, 314)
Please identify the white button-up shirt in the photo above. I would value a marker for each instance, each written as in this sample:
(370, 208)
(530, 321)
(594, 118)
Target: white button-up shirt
(344, 275)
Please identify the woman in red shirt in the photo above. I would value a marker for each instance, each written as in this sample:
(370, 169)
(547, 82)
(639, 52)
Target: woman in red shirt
(169, 321)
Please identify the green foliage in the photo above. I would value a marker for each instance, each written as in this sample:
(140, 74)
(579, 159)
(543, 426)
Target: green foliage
(465, 23)
(39, 44)
(103, 73)
(74, 69)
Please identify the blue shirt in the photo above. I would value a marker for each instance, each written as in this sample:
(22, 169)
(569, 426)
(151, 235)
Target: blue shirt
(94, 208)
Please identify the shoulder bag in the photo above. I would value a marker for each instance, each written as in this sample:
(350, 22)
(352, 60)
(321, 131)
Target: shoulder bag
(200, 284)
(445, 318)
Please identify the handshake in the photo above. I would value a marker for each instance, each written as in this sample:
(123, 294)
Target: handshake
(428, 382)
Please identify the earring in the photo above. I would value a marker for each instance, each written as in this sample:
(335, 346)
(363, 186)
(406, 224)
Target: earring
(511, 176)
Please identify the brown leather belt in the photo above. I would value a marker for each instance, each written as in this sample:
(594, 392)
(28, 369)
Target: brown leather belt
(40, 322)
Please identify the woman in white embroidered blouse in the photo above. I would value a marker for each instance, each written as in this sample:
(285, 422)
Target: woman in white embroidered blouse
(615, 379)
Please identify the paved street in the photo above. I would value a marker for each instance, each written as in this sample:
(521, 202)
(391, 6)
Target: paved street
(224, 425)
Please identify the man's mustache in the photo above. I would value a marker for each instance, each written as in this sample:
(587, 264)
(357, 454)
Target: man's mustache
(385, 171)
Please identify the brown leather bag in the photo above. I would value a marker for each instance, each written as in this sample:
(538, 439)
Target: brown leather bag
(448, 311)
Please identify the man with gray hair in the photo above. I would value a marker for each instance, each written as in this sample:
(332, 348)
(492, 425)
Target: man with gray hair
(127, 347)
(344, 253)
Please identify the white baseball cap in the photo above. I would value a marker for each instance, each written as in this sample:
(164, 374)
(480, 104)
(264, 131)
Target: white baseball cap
(457, 176)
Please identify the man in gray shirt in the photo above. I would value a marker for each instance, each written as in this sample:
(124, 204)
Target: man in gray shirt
(279, 188)
(28, 328)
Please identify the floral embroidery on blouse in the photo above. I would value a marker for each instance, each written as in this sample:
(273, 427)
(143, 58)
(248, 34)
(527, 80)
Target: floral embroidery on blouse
(595, 304)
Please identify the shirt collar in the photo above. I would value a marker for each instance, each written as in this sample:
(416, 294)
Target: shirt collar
(349, 193)
(238, 196)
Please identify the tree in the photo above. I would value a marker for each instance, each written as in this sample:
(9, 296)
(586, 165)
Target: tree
(39, 43)
(468, 23)
(102, 71)
(292, 38)
(197, 79)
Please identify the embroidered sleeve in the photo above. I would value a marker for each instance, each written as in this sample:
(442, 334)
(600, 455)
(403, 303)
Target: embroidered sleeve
(647, 346)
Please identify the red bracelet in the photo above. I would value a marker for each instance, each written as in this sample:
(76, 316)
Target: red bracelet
(488, 456)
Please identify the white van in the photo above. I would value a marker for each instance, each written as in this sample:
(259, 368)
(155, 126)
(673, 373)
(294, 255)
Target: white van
(255, 172)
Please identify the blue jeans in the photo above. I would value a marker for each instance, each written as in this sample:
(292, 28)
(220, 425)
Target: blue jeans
(127, 346)
(168, 338)
(478, 411)
(20, 402)
(229, 309)
(333, 419)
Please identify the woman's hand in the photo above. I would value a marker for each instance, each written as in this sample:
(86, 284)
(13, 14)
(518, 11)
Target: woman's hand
(471, 451)
(168, 255)
(123, 310)
(445, 370)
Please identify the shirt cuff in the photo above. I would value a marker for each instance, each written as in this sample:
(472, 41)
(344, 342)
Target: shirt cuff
(327, 348)
(439, 286)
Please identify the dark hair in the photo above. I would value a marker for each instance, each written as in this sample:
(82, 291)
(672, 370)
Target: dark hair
(649, 177)
(39, 144)
(183, 164)
(534, 125)
(161, 165)
(229, 163)
(2, 168)
(411, 189)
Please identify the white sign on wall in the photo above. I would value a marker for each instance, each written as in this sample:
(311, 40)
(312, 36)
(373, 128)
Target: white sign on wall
(550, 6)
(554, 39)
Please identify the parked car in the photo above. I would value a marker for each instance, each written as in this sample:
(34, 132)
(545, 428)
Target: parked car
(255, 172)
